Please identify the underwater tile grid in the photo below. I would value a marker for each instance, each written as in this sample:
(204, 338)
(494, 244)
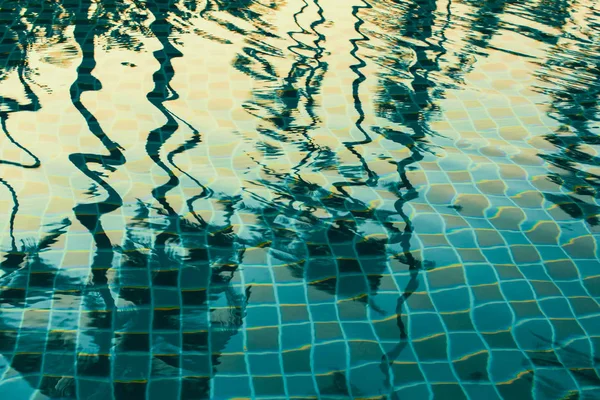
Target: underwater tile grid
(370, 199)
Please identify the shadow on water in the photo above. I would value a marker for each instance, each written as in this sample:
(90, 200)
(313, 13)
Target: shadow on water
(194, 262)
(159, 309)
(575, 106)
(94, 358)
(360, 78)
(13, 46)
(407, 98)
(335, 255)
(100, 345)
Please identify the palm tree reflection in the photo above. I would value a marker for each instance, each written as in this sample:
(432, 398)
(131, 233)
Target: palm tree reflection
(155, 312)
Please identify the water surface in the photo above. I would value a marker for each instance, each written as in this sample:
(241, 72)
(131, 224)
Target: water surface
(299, 199)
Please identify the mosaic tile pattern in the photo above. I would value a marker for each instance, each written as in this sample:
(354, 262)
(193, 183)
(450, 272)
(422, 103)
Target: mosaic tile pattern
(302, 199)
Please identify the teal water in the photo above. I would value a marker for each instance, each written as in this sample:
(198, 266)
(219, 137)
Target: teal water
(391, 199)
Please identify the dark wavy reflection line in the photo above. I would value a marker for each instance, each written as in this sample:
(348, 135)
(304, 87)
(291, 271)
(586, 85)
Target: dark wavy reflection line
(313, 65)
(298, 45)
(356, 68)
(406, 257)
(162, 92)
(312, 90)
(211, 258)
(442, 49)
(372, 177)
(14, 106)
(90, 214)
(321, 65)
(84, 36)
(316, 74)
(420, 69)
(189, 145)
(11, 106)
(13, 213)
(36, 163)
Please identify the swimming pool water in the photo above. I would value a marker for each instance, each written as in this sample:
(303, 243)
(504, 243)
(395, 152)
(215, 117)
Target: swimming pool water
(299, 199)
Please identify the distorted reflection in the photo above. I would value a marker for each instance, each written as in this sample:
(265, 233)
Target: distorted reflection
(306, 199)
